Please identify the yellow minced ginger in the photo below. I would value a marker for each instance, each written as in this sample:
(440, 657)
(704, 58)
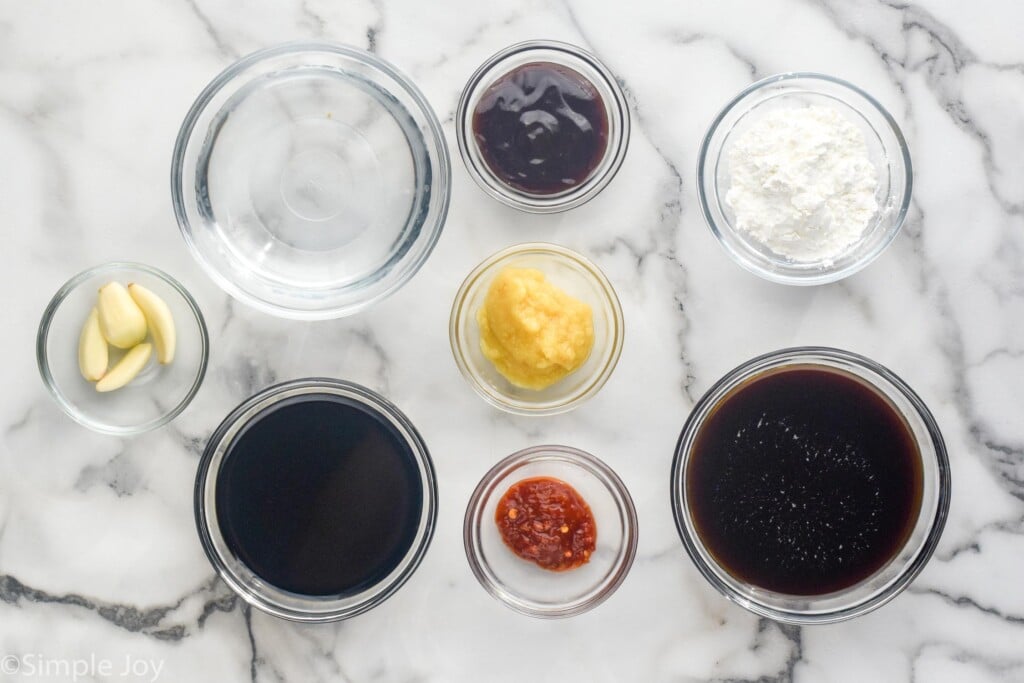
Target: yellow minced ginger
(534, 333)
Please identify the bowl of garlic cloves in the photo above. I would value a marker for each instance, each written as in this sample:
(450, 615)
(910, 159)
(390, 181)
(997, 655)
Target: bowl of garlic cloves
(122, 348)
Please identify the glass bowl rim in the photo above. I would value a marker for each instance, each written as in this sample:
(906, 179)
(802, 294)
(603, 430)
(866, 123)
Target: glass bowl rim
(535, 203)
(824, 275)
(441, 184)
(376, 404)
(498, 399)
(811, 355)
(43, 362)
(578, 459)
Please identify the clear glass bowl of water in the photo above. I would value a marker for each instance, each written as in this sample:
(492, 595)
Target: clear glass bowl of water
(311, 180)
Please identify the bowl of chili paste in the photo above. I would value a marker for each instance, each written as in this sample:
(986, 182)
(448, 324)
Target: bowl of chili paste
(550, 531)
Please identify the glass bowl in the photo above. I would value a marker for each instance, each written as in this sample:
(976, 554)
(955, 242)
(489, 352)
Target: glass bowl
(888, 581)
(575, 59)
(521, 584)
(570, 272)
(886, 147)
(242, 580)
(159, 393)
(310, 180)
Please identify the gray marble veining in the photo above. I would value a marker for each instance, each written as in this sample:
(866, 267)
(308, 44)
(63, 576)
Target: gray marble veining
(98, 553)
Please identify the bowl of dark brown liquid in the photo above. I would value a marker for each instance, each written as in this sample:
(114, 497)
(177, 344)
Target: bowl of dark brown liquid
(543, 126)
(315, 500)
(810, 485)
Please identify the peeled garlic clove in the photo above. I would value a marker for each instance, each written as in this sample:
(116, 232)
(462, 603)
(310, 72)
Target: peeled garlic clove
(92, 349)
(121, 320)
(126, 369)
(158, 319)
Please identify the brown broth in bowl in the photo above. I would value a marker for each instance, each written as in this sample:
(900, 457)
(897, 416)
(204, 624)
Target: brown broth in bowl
(804, 480)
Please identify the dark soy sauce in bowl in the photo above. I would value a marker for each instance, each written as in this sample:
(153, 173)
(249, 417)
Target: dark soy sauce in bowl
(804, 480)
(319, 496)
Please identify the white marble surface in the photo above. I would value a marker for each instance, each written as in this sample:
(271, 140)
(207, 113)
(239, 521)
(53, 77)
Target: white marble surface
(99, 559)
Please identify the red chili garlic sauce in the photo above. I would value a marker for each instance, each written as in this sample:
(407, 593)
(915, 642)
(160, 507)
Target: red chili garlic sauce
(546, 521)
(541, 128)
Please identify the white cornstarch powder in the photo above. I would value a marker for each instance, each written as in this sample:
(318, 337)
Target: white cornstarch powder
(801, 183)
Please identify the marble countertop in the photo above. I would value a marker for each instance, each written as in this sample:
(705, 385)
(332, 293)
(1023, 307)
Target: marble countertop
(99, 559)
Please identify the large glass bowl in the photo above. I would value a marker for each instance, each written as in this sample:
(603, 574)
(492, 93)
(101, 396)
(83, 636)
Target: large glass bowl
(310, 180)
(887, 150)
(159, 393)
(888, 581)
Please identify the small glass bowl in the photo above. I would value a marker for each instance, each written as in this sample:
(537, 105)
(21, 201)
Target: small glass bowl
(886, 147)
(310, 180)
(575, 275)
(571, 57)
(521, 584)
(887, 582)
(159, 393)
(234, 572)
